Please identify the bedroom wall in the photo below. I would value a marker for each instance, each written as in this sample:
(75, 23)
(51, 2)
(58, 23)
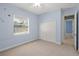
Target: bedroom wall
(7, 38)
(50, 26)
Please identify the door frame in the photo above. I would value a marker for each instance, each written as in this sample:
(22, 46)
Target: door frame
(76, 30)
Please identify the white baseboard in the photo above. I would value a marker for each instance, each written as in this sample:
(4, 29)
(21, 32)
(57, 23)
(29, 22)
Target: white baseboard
(52, 41)
(15, 45)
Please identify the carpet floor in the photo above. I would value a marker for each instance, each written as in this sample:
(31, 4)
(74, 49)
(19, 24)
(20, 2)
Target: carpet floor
(41, 48)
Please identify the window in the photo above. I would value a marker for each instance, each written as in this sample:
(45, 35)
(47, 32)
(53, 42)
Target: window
(21, 25)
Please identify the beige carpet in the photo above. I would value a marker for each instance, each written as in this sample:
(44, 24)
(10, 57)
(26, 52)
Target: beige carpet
(41, 48)
(69, 41)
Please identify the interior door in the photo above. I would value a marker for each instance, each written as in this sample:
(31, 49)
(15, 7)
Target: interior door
(76, 31)
(77, 27)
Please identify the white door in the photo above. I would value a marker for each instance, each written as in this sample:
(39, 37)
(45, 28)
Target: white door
(76, 31)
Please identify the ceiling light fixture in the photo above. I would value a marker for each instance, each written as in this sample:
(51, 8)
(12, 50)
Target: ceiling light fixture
(36, 5)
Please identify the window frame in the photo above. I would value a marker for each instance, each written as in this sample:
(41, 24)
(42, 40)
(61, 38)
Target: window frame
(19, 33)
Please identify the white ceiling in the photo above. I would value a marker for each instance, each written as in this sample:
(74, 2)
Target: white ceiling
(45, 7)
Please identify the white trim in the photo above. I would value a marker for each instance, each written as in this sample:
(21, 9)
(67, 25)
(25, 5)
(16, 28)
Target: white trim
(15, 45)
(21, 33)
(58, 43)
(75, 29)
(25, 32)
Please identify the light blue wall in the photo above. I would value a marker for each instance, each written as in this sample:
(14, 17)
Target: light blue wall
(69, 26)
(7, 39)
(54, 16)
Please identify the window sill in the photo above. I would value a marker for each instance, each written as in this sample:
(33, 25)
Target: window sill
(21, 33)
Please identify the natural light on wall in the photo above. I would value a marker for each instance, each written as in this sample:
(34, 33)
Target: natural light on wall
(21, 25)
